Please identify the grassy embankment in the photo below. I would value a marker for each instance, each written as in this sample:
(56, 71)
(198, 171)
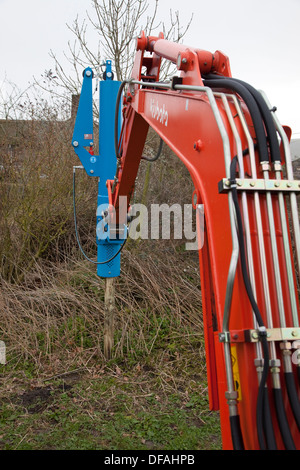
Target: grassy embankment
(57, 389)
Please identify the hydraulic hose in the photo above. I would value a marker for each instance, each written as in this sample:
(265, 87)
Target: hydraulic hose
(233, 170)
(275, 157)
(260, 416)
(293, 396)
(279, 404)
(116, 130)
(77, 234)
(253, 110)
(116, 137)
(268, 425)
(282, 420)
(236, 433)
(264, 423)
(265, 114)
(158, 153)
(268, 121)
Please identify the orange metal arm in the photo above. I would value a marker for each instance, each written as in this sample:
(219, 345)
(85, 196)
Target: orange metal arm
(185, 119)
(183, 56)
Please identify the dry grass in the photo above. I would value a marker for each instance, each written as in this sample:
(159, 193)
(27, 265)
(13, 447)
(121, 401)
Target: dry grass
(52, 302)
(57, 313)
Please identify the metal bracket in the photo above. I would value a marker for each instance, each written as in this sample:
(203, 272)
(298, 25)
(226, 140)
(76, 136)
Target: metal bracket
(260, 185)
(252, 336)
(224, 337)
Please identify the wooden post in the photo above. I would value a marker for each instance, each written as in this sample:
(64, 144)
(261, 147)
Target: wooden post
(109, 312)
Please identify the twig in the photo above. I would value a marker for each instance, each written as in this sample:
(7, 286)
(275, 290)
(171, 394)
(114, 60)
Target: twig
(63, 374)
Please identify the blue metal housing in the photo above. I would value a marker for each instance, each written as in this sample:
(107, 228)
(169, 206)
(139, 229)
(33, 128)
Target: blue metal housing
(103, 165)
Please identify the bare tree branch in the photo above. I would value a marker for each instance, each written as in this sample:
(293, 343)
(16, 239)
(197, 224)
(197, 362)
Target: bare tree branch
(10, 99)
(117, 23)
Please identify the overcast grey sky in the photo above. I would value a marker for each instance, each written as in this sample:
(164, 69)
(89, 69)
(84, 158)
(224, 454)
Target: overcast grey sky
(261, 38)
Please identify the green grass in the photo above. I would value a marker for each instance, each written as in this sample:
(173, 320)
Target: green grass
(114, 408)
(58, 391)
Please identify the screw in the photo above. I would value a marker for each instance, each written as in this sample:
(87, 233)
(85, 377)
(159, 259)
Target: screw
(88, 73)
(92, 171)
(198, 145)
(75, 143)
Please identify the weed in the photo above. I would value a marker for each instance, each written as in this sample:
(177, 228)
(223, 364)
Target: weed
(58, 391)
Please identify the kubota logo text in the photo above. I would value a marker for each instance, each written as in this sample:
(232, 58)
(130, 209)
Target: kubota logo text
(159, 113)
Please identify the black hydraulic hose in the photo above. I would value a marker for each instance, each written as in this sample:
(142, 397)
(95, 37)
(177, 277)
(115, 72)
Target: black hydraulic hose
(77, 234)
(116, 133)
(253, 110)
(233, 171)
(293, 396)
(262, 330)
(268, 121)
(279, 404)
(116, 130)
(265, 114)
(282, 420)
(236, 434)
(268, 425)
(275, 157)
(158, 153)
(263, 416)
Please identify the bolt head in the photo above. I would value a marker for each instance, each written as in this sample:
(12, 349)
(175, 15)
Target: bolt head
(182, 62)
(198, 145)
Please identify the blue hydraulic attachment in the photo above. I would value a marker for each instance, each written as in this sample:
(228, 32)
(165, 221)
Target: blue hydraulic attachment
(103, 166)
